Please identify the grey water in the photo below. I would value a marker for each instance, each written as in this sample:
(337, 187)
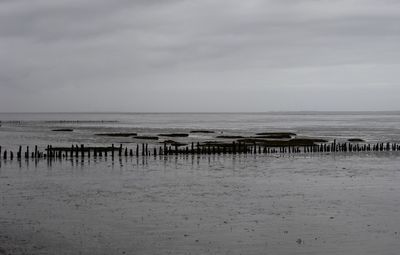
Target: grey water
(36, 128)
(325, 203)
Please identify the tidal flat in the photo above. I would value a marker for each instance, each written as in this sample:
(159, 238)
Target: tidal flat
(326, 203)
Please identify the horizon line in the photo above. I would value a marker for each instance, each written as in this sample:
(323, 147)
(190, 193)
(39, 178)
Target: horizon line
(206, 112)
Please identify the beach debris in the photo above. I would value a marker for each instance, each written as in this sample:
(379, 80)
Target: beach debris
(299, 241)
(62, 130)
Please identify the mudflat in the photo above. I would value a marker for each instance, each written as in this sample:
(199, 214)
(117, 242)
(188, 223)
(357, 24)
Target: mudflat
(207, 204)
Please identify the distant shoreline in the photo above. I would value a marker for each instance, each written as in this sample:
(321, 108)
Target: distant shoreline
(261, 113)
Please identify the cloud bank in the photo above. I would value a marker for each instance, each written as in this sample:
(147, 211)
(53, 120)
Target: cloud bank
(199, 55)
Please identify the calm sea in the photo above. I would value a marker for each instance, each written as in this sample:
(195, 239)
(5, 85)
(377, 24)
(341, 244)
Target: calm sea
(36, 128)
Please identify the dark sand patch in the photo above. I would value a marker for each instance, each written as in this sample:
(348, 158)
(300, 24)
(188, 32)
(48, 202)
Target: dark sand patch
(202, 132)
(230, 136)
(117, 134)
(280, 143)
(146, 137)
(173, 143)
(277, 134)
(356, 140)
(174, 135)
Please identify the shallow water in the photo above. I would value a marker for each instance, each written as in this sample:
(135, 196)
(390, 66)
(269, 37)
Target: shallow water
(327, 203)
(35, 129)
(330, 204)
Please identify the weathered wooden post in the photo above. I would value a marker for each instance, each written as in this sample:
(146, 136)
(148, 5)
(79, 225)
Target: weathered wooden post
(19, 152)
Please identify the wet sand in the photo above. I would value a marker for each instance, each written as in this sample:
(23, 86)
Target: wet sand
(321, 204)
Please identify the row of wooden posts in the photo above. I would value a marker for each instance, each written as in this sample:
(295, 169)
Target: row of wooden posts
(145, 150)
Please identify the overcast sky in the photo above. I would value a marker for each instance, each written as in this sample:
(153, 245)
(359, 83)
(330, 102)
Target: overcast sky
(199, 55)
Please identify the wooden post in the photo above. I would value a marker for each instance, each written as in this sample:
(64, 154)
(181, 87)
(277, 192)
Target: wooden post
(19, 152)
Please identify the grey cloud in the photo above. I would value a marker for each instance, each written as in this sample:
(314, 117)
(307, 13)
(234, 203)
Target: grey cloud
(204, 47)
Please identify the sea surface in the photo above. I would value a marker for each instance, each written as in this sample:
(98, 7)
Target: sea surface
(36, 129)
(319, 203)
